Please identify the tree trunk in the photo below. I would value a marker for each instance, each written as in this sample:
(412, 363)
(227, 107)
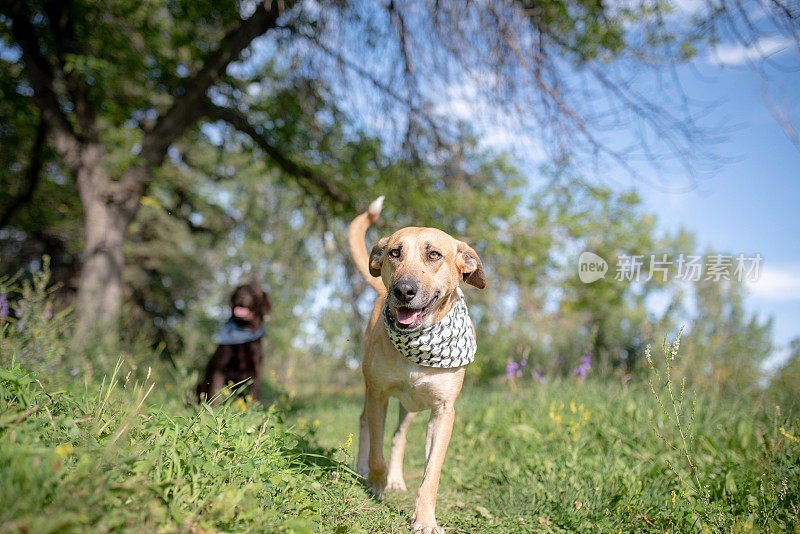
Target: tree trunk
(106, 216)
(110, 205)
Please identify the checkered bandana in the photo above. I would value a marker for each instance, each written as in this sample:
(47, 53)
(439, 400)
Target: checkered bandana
(448, 343)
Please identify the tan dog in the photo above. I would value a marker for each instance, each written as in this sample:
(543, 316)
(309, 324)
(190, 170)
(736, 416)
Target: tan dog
(420, 269)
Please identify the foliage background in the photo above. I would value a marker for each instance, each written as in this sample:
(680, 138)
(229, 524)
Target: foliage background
(287, 140)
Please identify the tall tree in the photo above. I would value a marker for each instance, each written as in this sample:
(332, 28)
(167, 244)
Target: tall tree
(117, 84)
(94, 68)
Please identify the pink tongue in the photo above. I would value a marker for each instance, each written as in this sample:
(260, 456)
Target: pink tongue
(407, 315)
(241, 312)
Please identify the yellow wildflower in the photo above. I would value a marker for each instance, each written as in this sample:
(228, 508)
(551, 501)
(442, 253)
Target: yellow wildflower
(64, 450)
(786, 434)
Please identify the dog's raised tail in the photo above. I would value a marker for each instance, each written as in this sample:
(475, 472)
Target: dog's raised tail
(355, 237)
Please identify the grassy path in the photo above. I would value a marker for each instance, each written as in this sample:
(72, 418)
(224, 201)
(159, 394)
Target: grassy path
(583, 457)
(569, 456)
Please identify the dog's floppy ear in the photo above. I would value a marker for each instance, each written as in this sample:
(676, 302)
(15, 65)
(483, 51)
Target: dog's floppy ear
(266, 304)
(376, 257)
(232, 303)
(471, 267)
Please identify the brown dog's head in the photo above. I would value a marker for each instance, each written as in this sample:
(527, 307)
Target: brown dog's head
(421, 269)
(249, 305)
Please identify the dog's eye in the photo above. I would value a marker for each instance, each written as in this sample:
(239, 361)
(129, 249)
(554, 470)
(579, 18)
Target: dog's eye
(434, 255)
(395, 253)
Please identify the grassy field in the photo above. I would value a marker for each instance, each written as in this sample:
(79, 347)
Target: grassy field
(584, 457)
(121, 450)
(569, 456)
(118, 459)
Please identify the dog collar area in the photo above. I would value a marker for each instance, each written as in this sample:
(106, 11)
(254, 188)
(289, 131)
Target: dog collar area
(231, 333)
(447, 343)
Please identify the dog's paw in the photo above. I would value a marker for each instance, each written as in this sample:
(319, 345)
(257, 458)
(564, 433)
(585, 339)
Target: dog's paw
(425, 528)
(377, 491)
(395, 484)
(377, 487)
(363, 473)
(425, 523)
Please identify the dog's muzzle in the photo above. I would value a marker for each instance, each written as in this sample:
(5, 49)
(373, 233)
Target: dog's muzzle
(447, 343)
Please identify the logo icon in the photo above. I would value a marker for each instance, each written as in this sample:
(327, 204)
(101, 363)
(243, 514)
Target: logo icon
(591, 267)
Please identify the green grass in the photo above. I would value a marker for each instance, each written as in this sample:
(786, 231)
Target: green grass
(109, 459)
(569, 456)
(581, 456)
(86, 451)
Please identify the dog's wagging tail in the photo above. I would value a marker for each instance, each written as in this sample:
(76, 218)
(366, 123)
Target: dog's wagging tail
(355, 237)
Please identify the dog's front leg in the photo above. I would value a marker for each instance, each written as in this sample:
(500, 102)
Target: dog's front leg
(375, 409)
(395, 479)
(254, 388)
(438, 438)
(217, 383)
(362, 464)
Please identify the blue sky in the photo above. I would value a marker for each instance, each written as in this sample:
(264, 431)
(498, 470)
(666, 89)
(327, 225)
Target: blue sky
(750, 204)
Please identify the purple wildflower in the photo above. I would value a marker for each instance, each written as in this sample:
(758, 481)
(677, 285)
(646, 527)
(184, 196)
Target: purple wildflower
(74, 372)
(48, 314)
(537, 375)
(4, 305)
(22, 307)
(512, 370)
(585, 363)
(523, 362)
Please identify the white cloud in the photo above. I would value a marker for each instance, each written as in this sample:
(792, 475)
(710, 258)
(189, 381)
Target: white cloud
(496, 128)
(777, 284)
(775, 360)
(679, 7)
(688, 7)
(739, 54)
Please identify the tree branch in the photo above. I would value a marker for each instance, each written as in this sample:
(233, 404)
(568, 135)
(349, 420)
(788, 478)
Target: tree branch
(40, 75)
(186, 107)
(299, 171)
(425, 115)
(62, 26)
(32, 175)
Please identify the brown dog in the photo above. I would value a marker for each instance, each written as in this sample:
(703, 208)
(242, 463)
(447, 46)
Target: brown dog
(239, 353)
(420, 270)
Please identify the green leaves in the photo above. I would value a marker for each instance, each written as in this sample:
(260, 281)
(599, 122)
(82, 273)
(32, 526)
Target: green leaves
(180, 469)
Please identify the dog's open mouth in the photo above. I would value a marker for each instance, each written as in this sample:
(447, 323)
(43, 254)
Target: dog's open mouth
(242, 312)
(409, 318)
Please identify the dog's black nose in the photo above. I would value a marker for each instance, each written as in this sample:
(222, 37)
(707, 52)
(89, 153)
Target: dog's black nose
(404, 290)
